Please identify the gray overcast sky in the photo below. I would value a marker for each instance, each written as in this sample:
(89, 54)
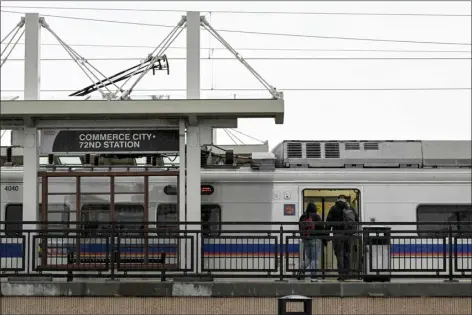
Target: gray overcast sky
(318, 115)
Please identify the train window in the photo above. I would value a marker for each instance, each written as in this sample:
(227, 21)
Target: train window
(211, 220)
(461, 213)
(131, 213)
(56, 212)
(95, 215)
(92, 215)
(14, 214)
(167, 214)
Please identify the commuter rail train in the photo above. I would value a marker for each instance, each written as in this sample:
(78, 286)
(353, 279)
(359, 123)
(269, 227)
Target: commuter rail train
(385, 181)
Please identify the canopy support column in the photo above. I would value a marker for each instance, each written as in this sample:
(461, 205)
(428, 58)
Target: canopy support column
(30, 132)
(193, 135)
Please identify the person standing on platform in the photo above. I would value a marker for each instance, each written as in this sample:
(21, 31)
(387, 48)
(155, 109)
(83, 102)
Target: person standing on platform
(311, 232)
(343, 220)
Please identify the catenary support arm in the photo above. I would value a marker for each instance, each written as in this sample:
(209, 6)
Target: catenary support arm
(83, 63)
(276, 94)
(164, 45)
(16, 29)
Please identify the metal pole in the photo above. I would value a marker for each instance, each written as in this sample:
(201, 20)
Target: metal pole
(193, 131)
(184, 259)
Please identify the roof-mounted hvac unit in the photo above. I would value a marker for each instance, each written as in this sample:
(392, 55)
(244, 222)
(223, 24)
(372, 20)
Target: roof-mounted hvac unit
(374, 154)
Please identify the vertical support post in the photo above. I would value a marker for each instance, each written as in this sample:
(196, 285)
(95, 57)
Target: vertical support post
(193, 55)
(32, 56)
(213, 135)
(193, 133)
(30, 133)
(113, 234)
(194, 190)
(185, 258)
(30, 188)
(146, 219)
(80, 227)
(44, 219)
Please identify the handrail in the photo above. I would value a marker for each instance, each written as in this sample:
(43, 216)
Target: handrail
(246, 252)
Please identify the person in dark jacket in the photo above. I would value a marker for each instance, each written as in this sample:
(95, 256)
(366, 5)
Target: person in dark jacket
(311, 234)
(341, 240)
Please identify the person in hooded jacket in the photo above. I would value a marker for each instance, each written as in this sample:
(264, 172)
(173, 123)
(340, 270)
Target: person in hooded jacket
(312, 242)
(341, 241)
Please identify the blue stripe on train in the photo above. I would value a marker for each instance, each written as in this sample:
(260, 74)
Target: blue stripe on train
(11, 250)
(16, 250)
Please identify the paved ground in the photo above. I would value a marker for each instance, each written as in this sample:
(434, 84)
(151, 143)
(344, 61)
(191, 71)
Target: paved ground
(231, 306)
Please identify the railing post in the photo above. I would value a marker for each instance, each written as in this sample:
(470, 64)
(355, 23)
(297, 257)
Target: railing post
(450, 253)
(281, 253)
(112, 251)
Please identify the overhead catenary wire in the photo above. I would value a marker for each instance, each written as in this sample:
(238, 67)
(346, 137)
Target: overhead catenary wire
(79, 60)
(281, 89)
(9, 33)
(272, 90)
(261, 33)
(263, 58)
(14, 45)
(242, 133)
(160, 49)
(235, 136)
(93, 20)
(17, 28)
(263, 49)
(230, 135)
(244, 12)
(83, 63)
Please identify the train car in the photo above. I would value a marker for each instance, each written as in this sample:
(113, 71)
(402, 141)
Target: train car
(384, 182)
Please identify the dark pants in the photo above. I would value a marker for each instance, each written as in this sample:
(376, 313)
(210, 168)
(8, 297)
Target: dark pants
(342, 250)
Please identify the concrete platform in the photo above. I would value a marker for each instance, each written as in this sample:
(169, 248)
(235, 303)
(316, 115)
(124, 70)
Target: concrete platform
(231, 288)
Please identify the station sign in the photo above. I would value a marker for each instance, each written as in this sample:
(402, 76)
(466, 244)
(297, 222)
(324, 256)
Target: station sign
(119, 141)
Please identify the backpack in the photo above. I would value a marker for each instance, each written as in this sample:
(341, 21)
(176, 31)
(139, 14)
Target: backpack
(307, 226)
(349, 217)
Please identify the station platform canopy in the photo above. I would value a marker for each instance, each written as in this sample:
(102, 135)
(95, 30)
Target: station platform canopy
(19, 113)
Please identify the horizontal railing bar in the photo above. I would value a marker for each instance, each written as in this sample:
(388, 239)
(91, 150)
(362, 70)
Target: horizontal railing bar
(130, 173)
(269, 250)
(288, 233)
(246, 223)
(96, 193)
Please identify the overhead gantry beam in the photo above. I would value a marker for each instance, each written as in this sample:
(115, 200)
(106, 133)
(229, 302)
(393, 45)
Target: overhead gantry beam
(21, 111)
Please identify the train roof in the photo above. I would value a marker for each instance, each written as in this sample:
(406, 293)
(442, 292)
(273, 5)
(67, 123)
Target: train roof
(369, 153)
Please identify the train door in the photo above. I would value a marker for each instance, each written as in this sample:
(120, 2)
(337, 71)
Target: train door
(324, 199)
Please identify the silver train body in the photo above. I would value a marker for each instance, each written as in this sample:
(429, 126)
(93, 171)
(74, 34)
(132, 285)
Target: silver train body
(280, 195)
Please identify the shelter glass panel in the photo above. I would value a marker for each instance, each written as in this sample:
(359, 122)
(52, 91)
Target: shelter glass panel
(167, 215)
(96, 217)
